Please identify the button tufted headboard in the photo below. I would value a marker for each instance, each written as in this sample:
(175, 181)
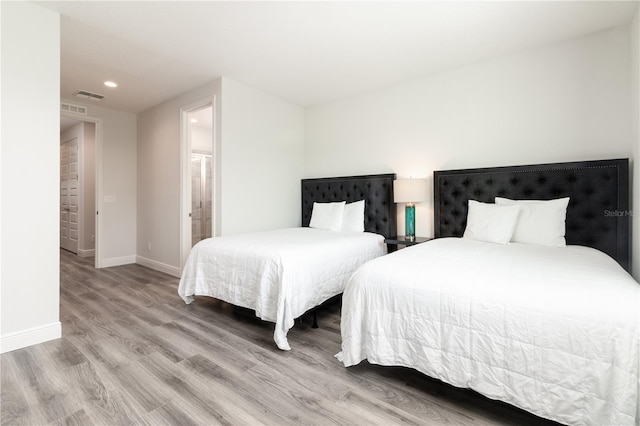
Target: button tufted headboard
(376, 190)
(598, 215)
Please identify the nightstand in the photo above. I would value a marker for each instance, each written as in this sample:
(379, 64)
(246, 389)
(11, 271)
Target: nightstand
(401, 240)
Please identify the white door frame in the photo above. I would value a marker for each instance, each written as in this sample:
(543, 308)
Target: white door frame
(185, 174)
(98, 171)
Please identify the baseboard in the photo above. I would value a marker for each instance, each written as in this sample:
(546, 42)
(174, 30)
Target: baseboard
(86, 253)
(158, 266)
(117, 261)
(32, 336)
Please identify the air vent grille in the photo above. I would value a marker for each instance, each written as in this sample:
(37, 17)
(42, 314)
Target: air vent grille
(73, 108)
(88, 95)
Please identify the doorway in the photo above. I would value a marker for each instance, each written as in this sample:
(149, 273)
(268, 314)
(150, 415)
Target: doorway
(78, 185)
(198, 177)
(69, 194)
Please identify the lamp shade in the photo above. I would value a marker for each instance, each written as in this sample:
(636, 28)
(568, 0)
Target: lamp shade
(409, 190)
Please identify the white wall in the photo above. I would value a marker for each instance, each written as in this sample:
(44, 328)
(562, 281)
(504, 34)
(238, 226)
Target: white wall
(116, 172)
(29, 175)
(564, 102)
(88, 188)
(262, 144)
(159, 177)
(258, 163)
(635, 113)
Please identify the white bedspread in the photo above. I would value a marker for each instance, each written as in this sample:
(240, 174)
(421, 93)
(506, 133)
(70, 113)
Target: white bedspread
(280, 274)
(551, 330)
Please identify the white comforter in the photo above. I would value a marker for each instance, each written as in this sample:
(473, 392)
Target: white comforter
(551, 330)
(280, 274)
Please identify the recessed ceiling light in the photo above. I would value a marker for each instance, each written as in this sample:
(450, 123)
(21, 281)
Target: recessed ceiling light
(193, 120)
(110, 84)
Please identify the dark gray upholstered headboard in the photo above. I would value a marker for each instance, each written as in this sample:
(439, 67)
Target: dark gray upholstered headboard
(598, 215)
(376, 190)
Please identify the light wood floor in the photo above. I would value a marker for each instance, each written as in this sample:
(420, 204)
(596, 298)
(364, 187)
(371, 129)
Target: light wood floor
(133, 353)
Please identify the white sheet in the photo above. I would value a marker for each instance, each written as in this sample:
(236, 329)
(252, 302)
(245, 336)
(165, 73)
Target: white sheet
(280, 274)
(553, 330)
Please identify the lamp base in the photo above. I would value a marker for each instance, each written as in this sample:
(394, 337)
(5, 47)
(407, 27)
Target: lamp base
(410, 221)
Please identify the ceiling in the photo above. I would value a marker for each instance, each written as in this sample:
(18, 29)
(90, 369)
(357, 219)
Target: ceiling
(305, 52)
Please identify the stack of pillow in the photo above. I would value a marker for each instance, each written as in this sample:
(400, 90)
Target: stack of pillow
(519, 221)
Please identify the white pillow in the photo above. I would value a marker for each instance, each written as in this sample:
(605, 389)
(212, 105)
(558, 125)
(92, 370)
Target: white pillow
(327, 216)
(540, 222)
(490, 222)
(353, 217)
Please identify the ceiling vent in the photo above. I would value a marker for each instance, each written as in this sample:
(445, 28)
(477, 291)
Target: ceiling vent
(88, 95)
(73, 108)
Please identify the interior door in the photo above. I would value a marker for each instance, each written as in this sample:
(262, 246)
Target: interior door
(69, 195)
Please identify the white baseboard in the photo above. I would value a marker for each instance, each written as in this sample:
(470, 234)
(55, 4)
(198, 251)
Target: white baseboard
(117, 261)
(86, 253)
(32, 336)
(158, 266)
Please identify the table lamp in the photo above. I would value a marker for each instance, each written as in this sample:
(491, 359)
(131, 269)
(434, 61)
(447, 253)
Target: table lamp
(410, 191)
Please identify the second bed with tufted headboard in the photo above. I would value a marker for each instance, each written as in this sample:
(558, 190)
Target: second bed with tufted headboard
(550, 328)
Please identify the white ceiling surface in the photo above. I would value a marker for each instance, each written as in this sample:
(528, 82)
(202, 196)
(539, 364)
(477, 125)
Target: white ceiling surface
(306, 52)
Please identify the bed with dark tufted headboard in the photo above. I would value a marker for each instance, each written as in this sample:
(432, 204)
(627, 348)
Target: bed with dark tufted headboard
(283, 273)
(552, 330)
(598, 214)
(376, 190)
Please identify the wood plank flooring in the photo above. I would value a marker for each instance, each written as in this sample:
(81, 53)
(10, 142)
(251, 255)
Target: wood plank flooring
(132, 353)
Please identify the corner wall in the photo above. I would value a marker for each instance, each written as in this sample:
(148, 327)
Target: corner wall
(562, 102)
(29, 175)
(262, 142)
